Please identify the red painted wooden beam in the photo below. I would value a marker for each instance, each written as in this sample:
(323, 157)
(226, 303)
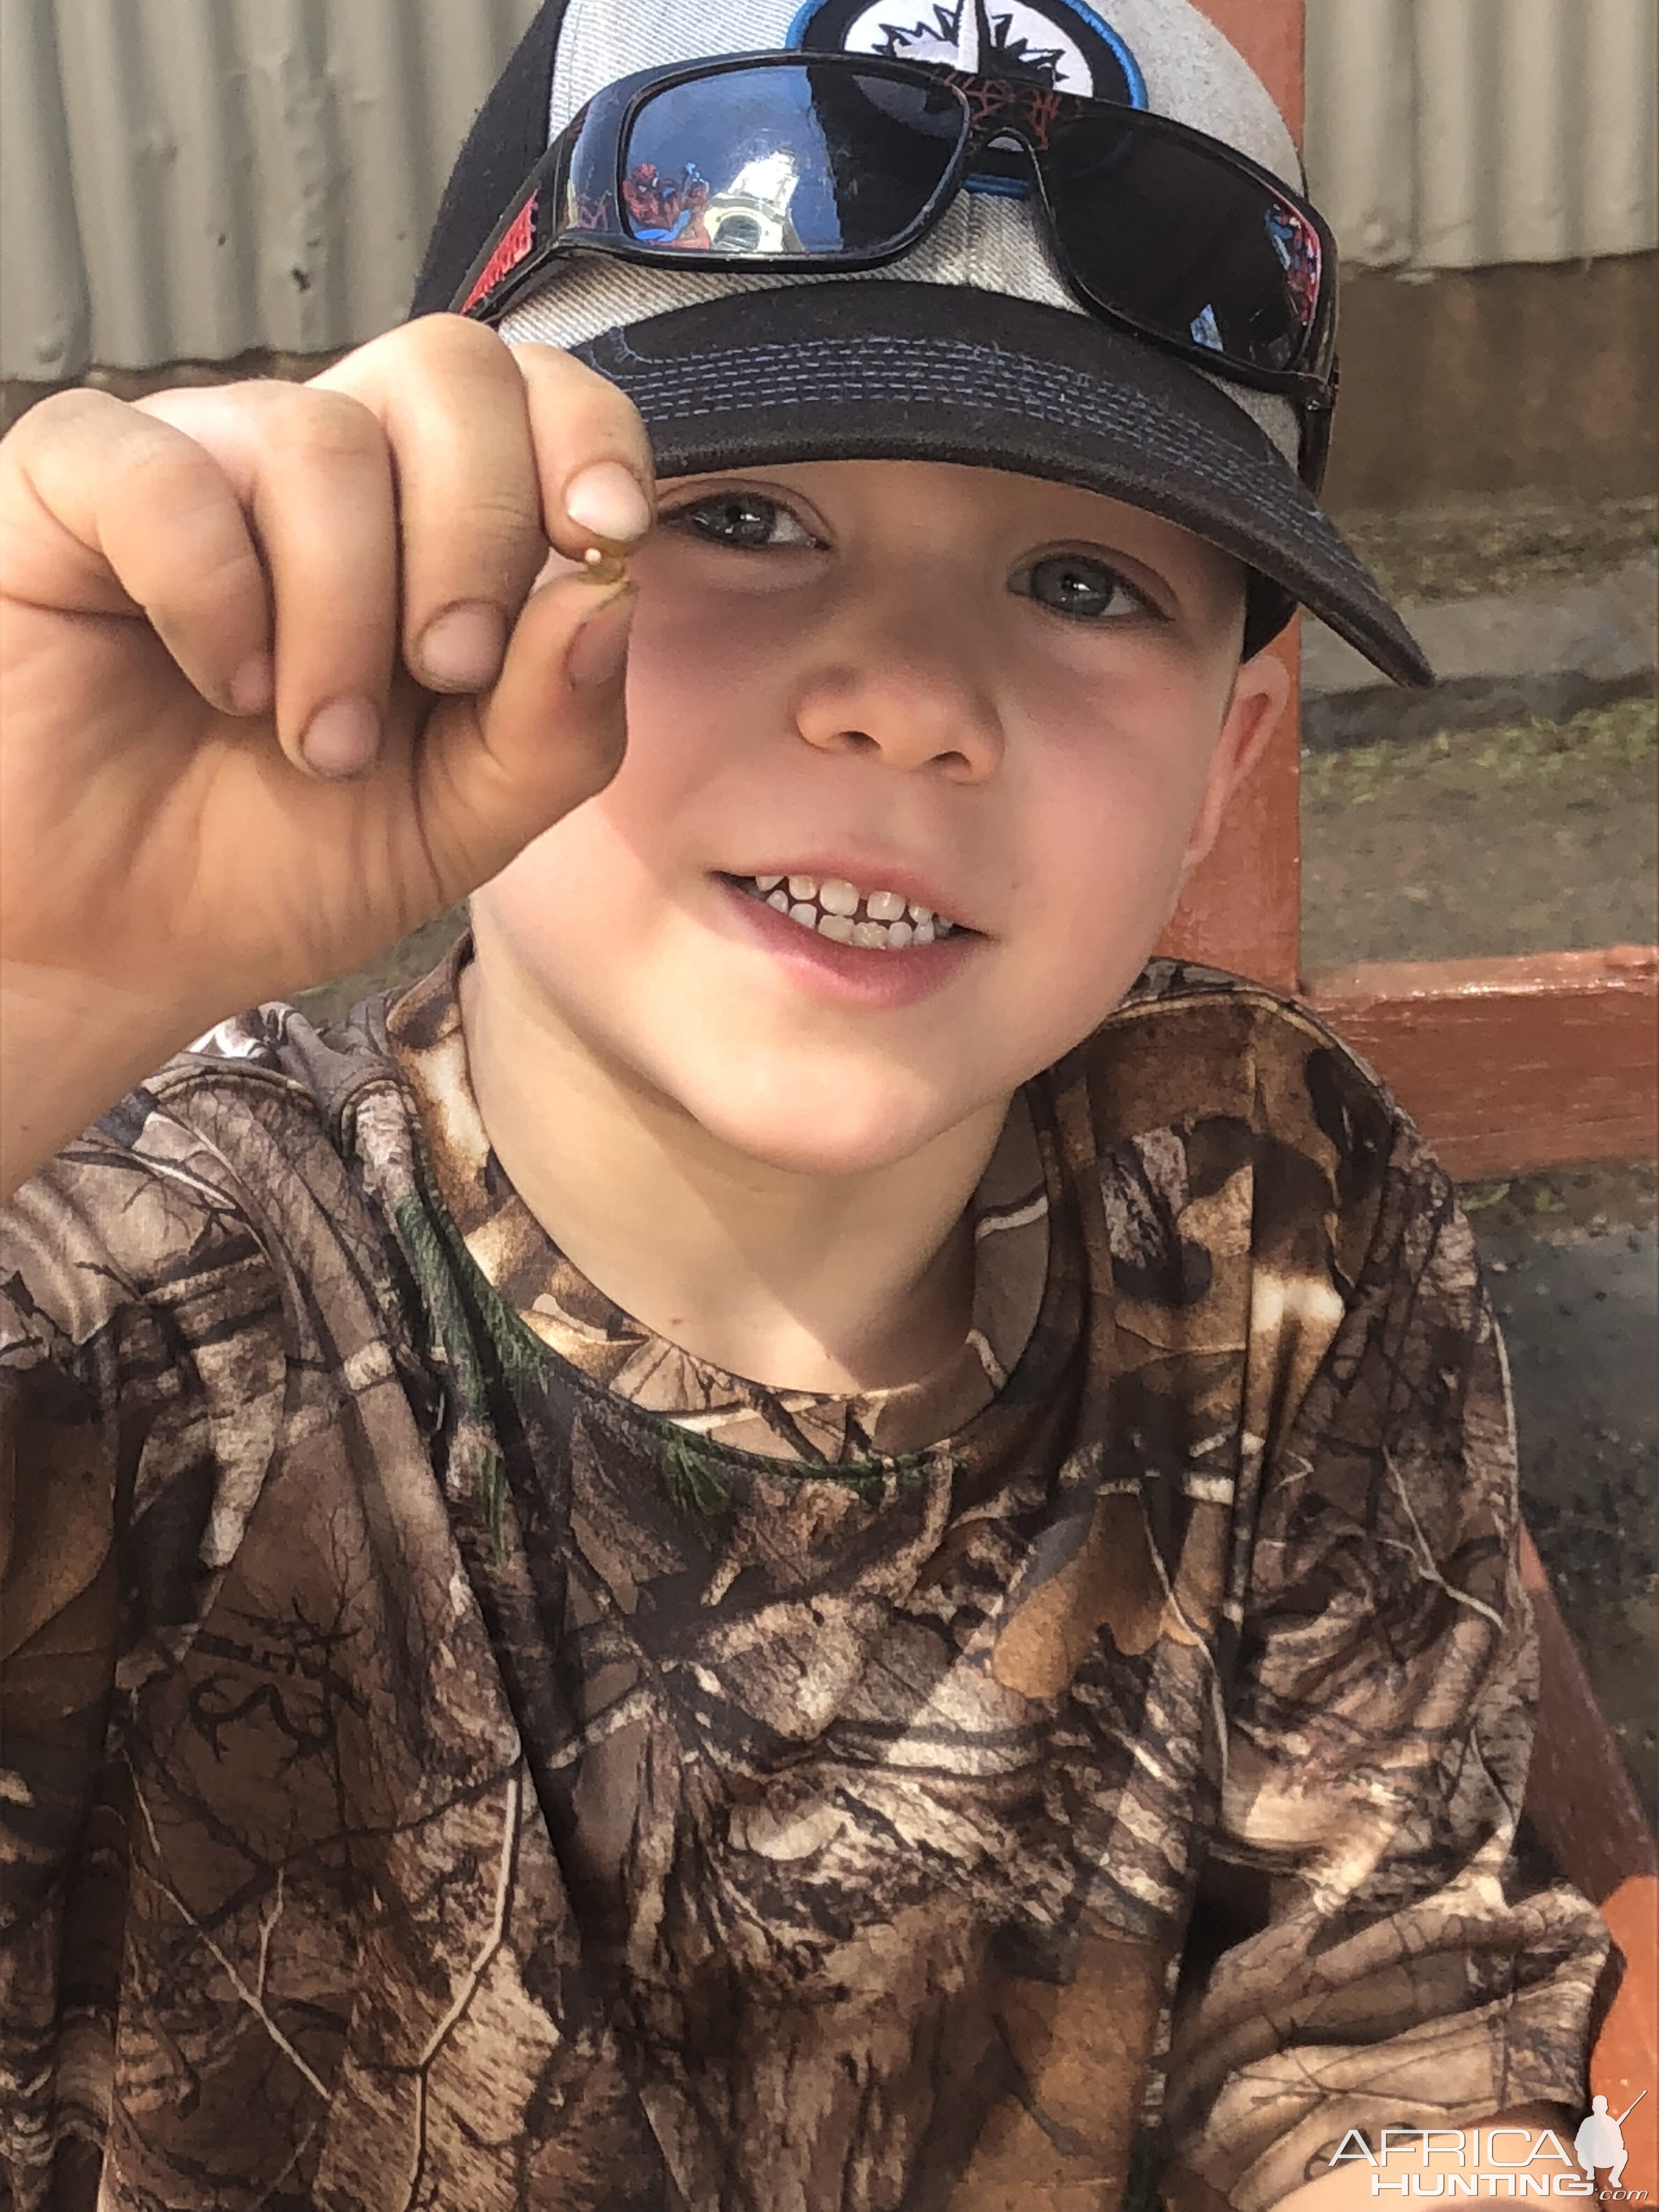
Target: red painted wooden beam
(1507, 1065)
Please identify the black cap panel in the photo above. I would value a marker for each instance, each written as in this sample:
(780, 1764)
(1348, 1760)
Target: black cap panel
(507, 140)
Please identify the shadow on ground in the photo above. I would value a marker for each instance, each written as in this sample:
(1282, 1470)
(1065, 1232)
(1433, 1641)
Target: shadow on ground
(1575, 1290)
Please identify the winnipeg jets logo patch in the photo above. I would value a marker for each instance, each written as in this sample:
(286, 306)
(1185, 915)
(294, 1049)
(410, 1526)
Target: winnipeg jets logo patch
(1060, 44)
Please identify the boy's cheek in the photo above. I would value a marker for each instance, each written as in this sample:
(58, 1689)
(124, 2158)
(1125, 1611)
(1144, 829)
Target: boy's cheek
(691, 646)
(1103, 892)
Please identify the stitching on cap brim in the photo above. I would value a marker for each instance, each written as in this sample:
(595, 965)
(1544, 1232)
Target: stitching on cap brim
(1246, 501)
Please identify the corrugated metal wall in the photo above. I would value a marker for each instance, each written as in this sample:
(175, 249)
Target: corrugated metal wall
(1452, 133)
(184, 180)
(188, 178)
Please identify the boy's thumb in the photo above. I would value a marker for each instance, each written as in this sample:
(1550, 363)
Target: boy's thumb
(553, 730)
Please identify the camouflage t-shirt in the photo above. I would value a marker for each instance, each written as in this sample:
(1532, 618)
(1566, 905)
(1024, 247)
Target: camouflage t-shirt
(462, 1751)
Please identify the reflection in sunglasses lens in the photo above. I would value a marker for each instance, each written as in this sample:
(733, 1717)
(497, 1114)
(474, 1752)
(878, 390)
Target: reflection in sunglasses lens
(795, 160)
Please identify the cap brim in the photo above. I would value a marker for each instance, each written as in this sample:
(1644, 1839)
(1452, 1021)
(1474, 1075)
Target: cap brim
(896, 371)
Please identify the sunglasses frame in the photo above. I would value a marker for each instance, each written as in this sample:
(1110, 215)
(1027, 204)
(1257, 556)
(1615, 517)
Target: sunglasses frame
(554, 214)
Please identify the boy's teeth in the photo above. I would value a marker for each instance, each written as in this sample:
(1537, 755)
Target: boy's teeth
(882, 921)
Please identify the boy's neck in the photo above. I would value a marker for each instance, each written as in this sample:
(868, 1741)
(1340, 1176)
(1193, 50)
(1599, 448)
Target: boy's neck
(832, 1283)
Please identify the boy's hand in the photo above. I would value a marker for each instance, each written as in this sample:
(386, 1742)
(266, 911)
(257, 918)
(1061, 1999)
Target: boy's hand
(214, 598)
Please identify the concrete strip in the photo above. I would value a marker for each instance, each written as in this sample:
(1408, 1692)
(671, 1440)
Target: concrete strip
(1498, 660)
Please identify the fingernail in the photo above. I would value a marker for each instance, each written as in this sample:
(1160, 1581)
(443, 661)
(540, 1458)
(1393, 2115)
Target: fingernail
(599, 652)
(607, 500)
(253, 686)
(343, 739)
(462, 649)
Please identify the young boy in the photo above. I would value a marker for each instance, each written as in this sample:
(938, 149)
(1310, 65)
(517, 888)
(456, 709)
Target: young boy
(803, 1535)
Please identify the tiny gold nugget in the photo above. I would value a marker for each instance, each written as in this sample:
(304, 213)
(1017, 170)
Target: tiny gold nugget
(604, 567)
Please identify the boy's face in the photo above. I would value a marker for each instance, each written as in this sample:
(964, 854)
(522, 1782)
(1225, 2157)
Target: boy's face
(1014, 702)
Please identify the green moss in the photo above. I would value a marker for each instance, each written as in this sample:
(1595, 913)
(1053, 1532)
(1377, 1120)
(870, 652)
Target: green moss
(1601, 741)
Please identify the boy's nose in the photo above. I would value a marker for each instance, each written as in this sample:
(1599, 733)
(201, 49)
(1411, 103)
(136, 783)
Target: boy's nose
(914, 711)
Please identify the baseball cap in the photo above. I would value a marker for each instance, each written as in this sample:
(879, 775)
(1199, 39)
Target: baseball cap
(968, 348)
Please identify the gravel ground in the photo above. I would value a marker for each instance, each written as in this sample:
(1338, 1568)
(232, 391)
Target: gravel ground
(1539, 838)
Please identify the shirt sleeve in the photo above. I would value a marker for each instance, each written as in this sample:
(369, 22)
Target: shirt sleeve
(1368, 1948)
(142, 1370)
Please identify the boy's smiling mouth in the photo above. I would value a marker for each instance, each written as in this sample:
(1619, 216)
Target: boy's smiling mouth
(831, 907)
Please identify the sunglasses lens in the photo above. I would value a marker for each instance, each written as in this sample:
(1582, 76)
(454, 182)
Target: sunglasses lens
(795, 160)
(1186, 246)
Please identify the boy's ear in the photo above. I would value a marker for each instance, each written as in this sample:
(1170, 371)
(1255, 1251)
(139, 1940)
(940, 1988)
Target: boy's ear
(1261, 692)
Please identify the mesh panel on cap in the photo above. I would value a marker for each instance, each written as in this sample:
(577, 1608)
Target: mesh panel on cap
(1195, 76)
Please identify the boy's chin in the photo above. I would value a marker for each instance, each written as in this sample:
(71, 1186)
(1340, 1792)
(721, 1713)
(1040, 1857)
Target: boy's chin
(851, 1128)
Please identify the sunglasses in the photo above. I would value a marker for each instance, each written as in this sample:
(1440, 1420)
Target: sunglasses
(847, 160)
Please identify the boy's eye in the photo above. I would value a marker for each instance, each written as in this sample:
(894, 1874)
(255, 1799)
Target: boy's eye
(1073, 584)
(745, 519)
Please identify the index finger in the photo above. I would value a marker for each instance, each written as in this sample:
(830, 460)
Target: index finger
(499, 452)
(592, 453)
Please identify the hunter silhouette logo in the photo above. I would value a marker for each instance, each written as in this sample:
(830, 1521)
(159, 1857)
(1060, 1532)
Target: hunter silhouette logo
(1599, 2141)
